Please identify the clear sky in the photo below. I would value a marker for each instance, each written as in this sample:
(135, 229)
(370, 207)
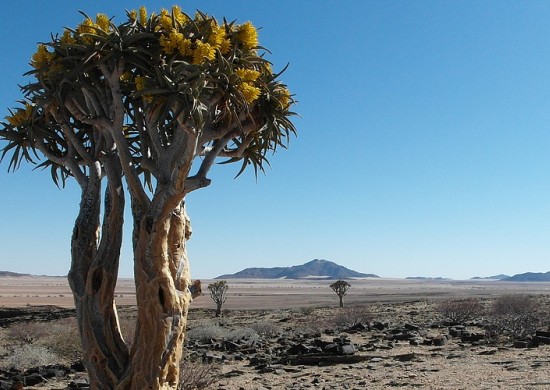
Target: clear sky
(423, 147)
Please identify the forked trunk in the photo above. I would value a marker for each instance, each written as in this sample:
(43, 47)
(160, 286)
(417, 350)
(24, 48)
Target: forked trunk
(93, 278)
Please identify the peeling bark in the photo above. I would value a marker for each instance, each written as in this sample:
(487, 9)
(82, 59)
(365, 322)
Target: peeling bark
(93, 278)
(163, 296)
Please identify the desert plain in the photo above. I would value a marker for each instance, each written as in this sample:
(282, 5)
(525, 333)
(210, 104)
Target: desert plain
(274, 334)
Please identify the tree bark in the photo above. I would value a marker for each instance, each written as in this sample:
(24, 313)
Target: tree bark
(93, 277)
(163, 297)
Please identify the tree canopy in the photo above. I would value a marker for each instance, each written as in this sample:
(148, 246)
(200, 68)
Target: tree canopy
(150, 88)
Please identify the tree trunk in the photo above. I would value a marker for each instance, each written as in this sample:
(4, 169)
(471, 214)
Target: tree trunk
(163, 298)
(93, 278)
(341, 300)
(218, 309)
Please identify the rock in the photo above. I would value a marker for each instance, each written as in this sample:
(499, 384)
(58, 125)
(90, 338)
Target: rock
(439, 341)
(347, 349)
(298, 349)
(521, 344)
(33, 379)
(80, 383)
(78, 367)
(541, 340)
(416, 341)
(411, 327)
(407, 357)
(542, 333)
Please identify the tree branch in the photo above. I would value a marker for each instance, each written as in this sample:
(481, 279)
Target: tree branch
(115, 128)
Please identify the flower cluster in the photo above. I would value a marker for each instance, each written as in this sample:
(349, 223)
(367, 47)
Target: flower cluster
(42, 57)
(226, 48)
(21, 116)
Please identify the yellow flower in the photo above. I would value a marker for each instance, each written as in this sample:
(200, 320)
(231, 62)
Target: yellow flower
(247, 75)
(142, 15)
(225, 46)
(21, 116)
(133, 14)
(103, 22)
(217, 34)
(141, 84)
(165, 20)
(284, 98)
(250, 92)
(126, 76)
(178, 15)
(247, 35)
(67, 37)
(203, 52)
(86, 27)
(42, 57)
(185, 47)
(172, 42)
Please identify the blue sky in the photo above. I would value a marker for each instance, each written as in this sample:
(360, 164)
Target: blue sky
(423, 147)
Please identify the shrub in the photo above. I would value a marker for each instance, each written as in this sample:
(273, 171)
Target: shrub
(28, 332)
(29, 355)
(196, 376)
(62, 338)
(462, 310)
(242, 334)
(205, 332)
(516, 316)
(266, 328)
(350, 316)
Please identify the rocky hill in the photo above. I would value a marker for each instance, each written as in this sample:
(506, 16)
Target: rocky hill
(12, 274)
(315, 269)
(529, 277)
(494, 277)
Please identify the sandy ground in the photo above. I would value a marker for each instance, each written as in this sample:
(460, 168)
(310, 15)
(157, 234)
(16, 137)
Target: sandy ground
(273, 294)
(455, 365)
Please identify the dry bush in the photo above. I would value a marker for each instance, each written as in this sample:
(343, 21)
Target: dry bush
(197, 376)
(242, 334)
(461, 310)
(311, 325)
(27, 332)
(266, 328)
(63, 339)
(205, 332)
(26, 356)
(516, 316)
(347, 317)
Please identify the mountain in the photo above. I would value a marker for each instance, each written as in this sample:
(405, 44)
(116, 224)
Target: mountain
(529, 277)
(427, 278)
(315, 269)
(494, 277)
(12, 274)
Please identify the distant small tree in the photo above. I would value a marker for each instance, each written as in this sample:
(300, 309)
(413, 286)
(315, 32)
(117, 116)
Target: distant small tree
(340, 288)
(218, 293)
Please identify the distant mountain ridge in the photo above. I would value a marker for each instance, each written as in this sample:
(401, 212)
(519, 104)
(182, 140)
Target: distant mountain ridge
(314, 269)
(494, 277)
(529, 277)
(12, 274)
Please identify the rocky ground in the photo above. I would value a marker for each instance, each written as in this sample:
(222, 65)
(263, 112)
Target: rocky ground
(379, 346)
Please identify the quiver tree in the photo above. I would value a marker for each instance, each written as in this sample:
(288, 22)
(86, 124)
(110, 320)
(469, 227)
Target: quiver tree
(341, 289)
(143, 102)
(218, 293)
